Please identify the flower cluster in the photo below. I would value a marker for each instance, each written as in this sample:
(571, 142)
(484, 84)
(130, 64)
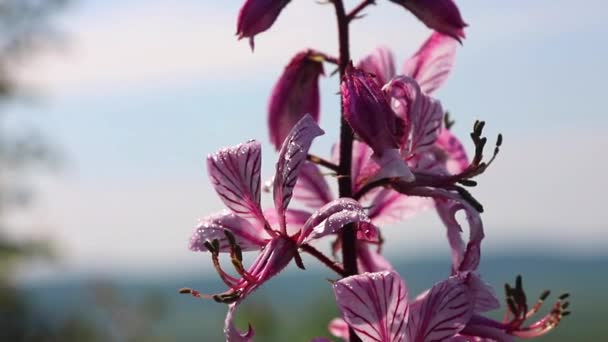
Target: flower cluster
(399, 157)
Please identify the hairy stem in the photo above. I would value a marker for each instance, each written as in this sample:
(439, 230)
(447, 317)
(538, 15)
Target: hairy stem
(323, 258)
(349, 237)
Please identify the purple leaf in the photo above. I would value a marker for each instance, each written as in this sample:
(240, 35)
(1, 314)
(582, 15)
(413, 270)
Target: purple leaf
(439, 15)
(235, 175)
(380, 63)
(294, 219)
(338, 328)
(248, 236)
(311, 188)
(482, 293)
(257, 16)
(431, 65)
(374, 305)
(295, 95)
(291, 159)
(441, 312)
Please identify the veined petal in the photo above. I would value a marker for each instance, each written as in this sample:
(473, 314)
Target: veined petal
(463, 258)
(333, 216)
(231, 332)
(441, 312)
(257, 16)
(426, 119)
(374, 305)
(431, 65)
(392, 165)
(369, 260)
(456, 159)
(295, 95)
(294, 219)
(482, 293)
(338, 328)
(380, 63)
(439, 15)
(311, 188)
(388, 206)
(291, 159)
(235, 175)
(248, 236)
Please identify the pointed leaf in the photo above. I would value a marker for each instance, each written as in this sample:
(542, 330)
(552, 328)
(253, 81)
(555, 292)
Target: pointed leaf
(295, 95)
(431, 65)
(374, 305)
(248, 236)
(235, 175)
(441, 312)
(291, 159)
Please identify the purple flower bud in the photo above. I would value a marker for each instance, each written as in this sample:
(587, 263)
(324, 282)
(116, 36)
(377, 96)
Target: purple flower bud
(440, 15)
(295, 94)
(368, 111)
(257, 16)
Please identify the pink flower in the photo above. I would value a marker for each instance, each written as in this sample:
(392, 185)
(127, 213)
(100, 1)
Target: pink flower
(257, 16)
(235, 175)
(295, 95)
(439, 15)
(377, 308)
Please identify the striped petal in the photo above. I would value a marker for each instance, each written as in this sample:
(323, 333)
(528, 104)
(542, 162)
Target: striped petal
(311, 188)
(291, 159)
(441, 312)
(374, 305)
(231, 332)
(235, 175)
(248, 236)
(332, 217)
(380, 63)
(432, 64)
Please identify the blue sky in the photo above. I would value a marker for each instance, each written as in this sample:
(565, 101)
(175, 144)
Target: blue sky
(144, 90)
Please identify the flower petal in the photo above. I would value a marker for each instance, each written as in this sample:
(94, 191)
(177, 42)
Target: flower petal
(291, 159)
(483, 294)
(248, 236)
(374, 305)
(294, 219)
(388, 206)
(369, 260)
(456, 159)
(464, 258)
(339, 328)
(235, 175)
(231, 331)
(441, 312)
(311, 188)
(431, 65)
(333, 216)
(295, 94)
(380, 63)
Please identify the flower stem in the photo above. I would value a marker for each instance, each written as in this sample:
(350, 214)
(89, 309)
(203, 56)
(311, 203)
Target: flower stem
(323, 258)
(349, 237)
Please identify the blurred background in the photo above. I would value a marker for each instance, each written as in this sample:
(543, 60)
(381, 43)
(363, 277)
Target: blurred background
(108, 109)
